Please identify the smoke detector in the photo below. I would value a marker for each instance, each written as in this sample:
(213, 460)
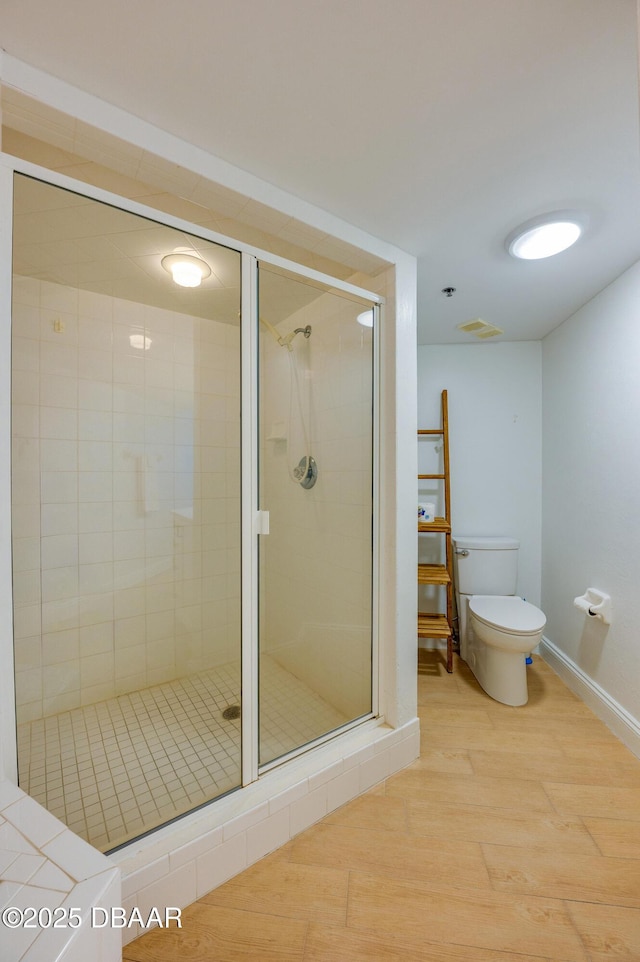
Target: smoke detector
(479, 328)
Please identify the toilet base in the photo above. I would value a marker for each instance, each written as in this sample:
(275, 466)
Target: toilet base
(502, 674)
(505, 676)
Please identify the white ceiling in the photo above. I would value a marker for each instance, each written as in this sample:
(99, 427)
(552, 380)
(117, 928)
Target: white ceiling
(438, 125)
(65, 238)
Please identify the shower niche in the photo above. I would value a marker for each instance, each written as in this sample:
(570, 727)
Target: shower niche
(166, 653)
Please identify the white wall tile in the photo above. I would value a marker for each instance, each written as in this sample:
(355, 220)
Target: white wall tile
(25, 420)
(26, 588)
(29, 687)
(59, 551)
(95, 395)
(59, 584)
(58, 391)
(95, 546)
(26, 553)
(221, 863)
(308, 810)
(56, 519)
(195, 849)
(242, 822)
(97, 670)
(60, 646)
(95, 425)
(59, 359)
(268, 835)
(95, 364)
(95, 578)
(95, 517)
(96, 639)
(57, 422)
(374, 770)
(59, 614)
(342, 788)
(95, 486)
(25, 354)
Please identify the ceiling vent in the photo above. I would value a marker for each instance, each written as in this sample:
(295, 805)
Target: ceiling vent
(479, 328)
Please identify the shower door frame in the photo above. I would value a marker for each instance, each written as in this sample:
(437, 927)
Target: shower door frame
(252, 519)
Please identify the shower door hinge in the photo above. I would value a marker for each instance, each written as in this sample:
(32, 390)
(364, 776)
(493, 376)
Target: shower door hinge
(261, 524)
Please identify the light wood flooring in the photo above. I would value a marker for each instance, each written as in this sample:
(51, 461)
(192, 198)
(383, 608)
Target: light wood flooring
(514, 838)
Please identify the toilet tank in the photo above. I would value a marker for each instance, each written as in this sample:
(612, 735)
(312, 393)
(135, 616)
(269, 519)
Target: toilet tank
(485, 566)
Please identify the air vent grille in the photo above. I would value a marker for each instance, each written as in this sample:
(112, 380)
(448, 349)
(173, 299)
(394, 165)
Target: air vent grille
(479, 328)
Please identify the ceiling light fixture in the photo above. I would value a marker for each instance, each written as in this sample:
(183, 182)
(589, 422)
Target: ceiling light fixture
(546, 235)
(366, 318)
(186, 270)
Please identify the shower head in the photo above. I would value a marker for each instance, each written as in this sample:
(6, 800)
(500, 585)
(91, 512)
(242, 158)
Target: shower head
(286, 341)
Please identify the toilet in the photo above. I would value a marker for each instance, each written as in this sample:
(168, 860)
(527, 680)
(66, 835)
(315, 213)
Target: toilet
(497, 628)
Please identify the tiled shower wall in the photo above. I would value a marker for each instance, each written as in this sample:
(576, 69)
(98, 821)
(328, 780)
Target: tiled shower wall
(126, 474)
(317, 570)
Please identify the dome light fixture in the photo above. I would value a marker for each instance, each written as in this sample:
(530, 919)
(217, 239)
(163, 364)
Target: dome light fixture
(366, 318)
(546, 235)
(186, 269)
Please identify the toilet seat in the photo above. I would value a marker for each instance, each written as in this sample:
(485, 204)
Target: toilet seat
(508, 613)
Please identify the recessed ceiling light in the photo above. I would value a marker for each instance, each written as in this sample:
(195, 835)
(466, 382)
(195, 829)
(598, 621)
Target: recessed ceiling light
(546, 235)
(186, 270)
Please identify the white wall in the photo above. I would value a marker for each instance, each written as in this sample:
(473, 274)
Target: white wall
(591, 468)
(494, 394)
(125, 528)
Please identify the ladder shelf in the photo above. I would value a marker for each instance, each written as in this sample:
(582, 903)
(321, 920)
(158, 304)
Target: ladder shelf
(439, 625)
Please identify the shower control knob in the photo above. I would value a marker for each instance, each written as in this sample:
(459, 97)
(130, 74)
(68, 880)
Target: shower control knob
(306, 472)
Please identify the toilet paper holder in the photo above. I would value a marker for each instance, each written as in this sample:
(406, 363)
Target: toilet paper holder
(596, 604)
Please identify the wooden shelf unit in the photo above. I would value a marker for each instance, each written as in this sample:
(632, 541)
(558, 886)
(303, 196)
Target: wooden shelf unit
(441, 575)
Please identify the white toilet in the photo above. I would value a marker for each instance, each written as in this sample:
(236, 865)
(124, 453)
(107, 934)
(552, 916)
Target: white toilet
(497, 628)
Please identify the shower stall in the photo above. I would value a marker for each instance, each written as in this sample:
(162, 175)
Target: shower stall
(194, 505)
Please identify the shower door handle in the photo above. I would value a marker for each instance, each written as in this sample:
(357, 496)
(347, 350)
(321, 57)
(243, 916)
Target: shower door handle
(261, 523)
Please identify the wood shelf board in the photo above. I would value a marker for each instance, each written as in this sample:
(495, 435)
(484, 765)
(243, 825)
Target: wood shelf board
(433, 575)
(433, 626)
(440, 525)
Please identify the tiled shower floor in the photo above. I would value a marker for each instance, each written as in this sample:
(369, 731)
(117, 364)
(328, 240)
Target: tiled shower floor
(114, 770)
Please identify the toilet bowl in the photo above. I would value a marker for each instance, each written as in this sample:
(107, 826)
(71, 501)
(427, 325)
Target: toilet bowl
(503, 630)
(497, 629)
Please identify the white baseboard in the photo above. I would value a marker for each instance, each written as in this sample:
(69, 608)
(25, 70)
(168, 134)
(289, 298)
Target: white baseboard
(615, 717)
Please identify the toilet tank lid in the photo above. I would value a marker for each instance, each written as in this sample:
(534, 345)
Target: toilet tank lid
(485, 544)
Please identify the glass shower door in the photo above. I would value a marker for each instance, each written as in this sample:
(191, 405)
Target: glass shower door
(125, 515)
(316, 482)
